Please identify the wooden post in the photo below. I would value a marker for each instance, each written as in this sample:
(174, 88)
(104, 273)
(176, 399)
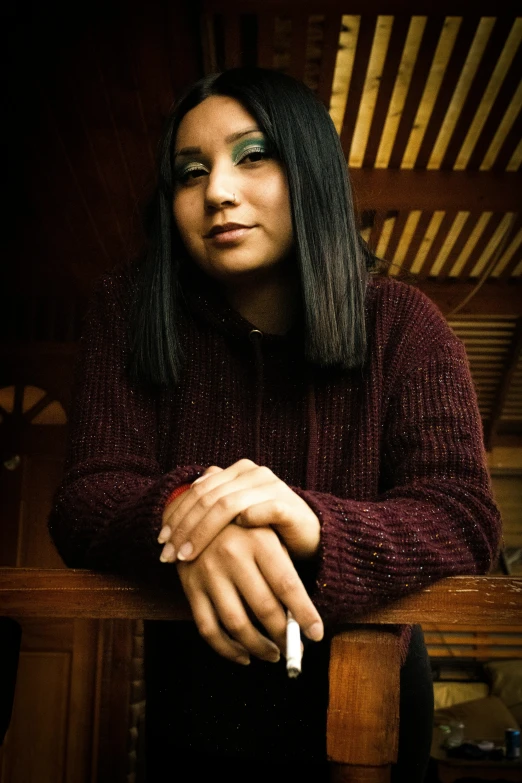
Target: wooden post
(363, 710)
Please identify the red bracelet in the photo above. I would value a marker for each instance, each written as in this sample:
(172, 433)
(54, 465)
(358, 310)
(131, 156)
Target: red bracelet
(177, 492)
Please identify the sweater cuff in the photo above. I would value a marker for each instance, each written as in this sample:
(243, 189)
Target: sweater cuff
(176, 493)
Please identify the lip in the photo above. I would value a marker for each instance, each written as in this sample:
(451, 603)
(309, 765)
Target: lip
(227, 231)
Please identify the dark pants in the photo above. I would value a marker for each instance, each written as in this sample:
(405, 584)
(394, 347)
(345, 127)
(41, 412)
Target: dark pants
(166, 763)
(416, 713)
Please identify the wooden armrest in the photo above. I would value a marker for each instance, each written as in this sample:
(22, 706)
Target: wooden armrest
(56, 592)
(364, 663)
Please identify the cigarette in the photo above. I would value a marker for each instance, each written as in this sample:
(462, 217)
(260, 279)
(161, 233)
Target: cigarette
(293, 647)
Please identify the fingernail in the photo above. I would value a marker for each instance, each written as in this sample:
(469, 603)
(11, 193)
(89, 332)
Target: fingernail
(273, 657)
(164, 534)
(199, 479)
(185, 550)
(167, 554)
(243, 660)
(315, 632)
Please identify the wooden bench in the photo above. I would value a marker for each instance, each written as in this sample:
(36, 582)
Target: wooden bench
(364, 664)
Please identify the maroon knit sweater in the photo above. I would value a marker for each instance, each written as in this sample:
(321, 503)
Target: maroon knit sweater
(389, 457)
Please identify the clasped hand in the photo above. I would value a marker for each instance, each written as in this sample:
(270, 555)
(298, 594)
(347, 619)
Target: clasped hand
(232, 573)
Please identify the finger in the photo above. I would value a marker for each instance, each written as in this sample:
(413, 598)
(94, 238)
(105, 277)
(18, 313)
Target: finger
(279, 571)
(273, 512)
(215, 511)
(195, 504)
(168, 511)
(234, 618)
(164, 534)
(184, 501)
(214, 476)
(264, 605)
(210, 630)
(300, 532)
(212, 470)
(172, 506)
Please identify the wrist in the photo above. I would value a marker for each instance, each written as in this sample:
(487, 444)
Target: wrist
(177, 492)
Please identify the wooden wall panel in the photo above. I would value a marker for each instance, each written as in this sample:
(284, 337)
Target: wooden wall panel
(114, 689)
(62, 657)
(81, 718)
(34, 748)
(41, 476)
(88, 90)
(508, 495)
(10, 492)
(51, 737)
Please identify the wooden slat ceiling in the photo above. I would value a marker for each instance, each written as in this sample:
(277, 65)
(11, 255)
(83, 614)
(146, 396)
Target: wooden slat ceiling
(427, 99)
(435, 98)
(406, 92)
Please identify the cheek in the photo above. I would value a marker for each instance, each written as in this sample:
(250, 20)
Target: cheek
(185, 220)
(179, 214)
(276, 198)
(184, 217)
(284, 212)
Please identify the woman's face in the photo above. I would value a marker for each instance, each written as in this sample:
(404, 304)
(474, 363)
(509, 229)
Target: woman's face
(231, 201)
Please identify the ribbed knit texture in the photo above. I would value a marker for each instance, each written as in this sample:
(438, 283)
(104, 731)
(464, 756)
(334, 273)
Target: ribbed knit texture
(401, 486)
(389, 456)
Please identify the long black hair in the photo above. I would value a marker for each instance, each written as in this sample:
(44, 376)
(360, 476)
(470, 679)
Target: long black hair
(332, 258)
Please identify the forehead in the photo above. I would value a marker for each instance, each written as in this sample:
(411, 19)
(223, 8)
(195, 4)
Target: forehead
(213, 120)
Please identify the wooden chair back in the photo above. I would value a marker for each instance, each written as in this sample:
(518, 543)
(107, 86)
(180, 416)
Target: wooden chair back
(364, 663)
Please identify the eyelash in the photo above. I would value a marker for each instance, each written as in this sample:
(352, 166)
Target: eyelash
(253, 150)
(183, 177)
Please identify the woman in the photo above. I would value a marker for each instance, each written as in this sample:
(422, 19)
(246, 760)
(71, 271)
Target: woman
(297, 434)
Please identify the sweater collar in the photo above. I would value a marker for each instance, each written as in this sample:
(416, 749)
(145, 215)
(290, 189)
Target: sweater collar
(205, 301)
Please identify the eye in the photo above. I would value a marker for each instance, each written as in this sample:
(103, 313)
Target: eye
(252, 154)
(188, 174)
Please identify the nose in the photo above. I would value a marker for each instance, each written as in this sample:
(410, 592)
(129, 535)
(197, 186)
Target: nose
(221, 190)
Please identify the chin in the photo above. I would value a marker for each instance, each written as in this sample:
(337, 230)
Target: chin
(236, 271)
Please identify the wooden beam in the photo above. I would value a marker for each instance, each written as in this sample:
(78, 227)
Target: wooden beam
(27, 592)
(429, 41)
(515, 351)
(363, 52)
(493, 298)
(331, 32)
(405, 189)
(421, 7)
(465, 36)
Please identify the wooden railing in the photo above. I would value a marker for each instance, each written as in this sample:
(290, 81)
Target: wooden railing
(364, 663)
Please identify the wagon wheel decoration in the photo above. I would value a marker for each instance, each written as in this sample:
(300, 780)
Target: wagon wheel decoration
(23, 406)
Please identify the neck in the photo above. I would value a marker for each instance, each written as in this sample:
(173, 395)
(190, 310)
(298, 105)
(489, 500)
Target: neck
(270, 304)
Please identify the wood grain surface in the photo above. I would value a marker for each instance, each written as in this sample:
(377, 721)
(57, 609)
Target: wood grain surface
(26, 592)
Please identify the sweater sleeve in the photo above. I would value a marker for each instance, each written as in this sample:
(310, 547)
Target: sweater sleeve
(107, 511)
(435, 516)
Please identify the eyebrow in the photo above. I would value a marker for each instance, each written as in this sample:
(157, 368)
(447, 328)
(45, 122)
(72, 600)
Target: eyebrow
(228, 140)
